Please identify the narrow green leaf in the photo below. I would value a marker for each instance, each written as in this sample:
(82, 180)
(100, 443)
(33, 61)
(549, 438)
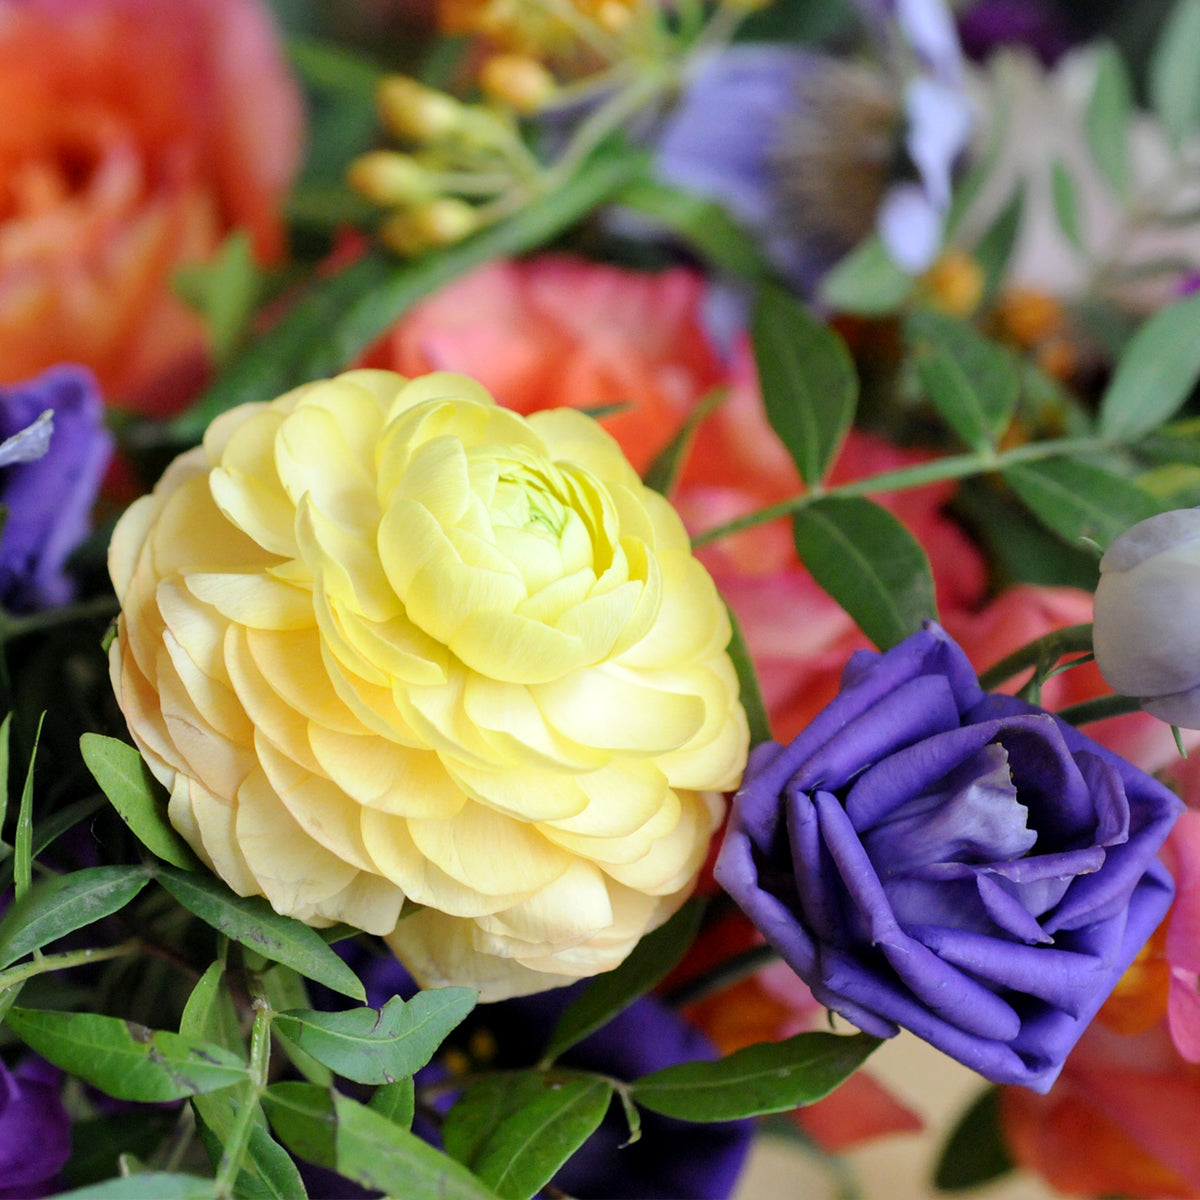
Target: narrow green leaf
(808, 381)
(651, 960)
(1106, 121)
(975, 1152)
(267, 1171)
(748, 690)
(1077, 500)
(126, 1060)
(867, 282)
(1155, 374)
(5, 729)
(57, 906)
(972, 382)
(334, 1131)
(150, 1185)
(869, 563)
(339, 317)
(136, 795)
(332, 67)
(1173, 80)
(381, 1045)
(662, 473)
(210, 1013)
(1065, 195)
(700, 222)
(50, 828)
(223, 291)
(23, 839)
(396, 1101)
(251, 921)
(515, 1134)
(993, 251)
(286, 989)
(764, 1078)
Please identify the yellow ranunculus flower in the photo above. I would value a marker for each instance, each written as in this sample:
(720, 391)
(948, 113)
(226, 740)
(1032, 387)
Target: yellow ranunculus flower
(385, 640)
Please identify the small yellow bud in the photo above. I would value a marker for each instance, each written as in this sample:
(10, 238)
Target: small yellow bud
(520, 82)
(955, 284)
(438, 223)
(613, 16)
(388, 177)
(412, 110)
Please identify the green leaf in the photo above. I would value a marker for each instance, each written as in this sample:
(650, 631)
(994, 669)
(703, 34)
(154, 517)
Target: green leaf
(1077, 500)
(867, 282)
(333, 1131)
(23, 838)
(136, 795)
(151, 1185)
(124, 1059)
(764, 1078)
(748, 690)
(210, 1013)
(267, 1171)
(332, 67)
(396, 1101)
(1065, 195)
(50, 828)
(662, 473)
(515, 1131)
(1106, 121)
(251, 921)
(61, 904)
(700, 222)
(808, 381)
(975, 1152)
(1155, 374)
(869, 563)
(972, 382)
(1173, 81)
(651, 960)
(381, 1045)
(5, 729)
(993, 251)
(339, 317)
(224, 291)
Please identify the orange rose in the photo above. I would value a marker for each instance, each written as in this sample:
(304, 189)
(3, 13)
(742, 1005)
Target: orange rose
(136, 136)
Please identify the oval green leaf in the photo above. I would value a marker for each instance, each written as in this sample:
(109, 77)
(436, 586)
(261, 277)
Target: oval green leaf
(381, 1045)
(251, 921)
(124, 1059)
(55, 907)
(869, 563)
(764, 1078)
(139, 798)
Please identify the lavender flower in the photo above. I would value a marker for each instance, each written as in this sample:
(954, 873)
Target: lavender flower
(966, 866)
(812, 152)
(50, 471)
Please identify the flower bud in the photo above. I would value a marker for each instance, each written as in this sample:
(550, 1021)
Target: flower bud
(388, 177)
(520, 82)
(438, 223)
(1146, 637)
(413, 111)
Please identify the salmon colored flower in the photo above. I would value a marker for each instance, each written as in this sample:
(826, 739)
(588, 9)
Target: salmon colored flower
(384, 640)
(136, 136)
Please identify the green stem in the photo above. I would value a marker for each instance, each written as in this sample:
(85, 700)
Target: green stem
(732, 970)
(75, 958)
(52, 618)
(1100, 709)
(243, 1122)
(938, 470)
(1048, 649)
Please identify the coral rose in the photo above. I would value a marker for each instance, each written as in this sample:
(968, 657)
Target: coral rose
(383, 639)
(137, 135)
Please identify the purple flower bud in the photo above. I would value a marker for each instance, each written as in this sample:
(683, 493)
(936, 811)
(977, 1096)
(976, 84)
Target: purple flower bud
(48, 495)
(1145, 635)
(965, 866)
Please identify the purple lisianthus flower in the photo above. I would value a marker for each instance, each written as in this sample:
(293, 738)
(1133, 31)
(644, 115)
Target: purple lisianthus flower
(1035, 24)
(48, 495)
(811, 152)
(962, 865)
(35, 1131)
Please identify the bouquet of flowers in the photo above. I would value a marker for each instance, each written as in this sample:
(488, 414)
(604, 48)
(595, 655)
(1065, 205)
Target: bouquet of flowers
(573, 568)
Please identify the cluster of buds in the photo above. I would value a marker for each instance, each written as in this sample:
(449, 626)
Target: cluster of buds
(461, 161)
